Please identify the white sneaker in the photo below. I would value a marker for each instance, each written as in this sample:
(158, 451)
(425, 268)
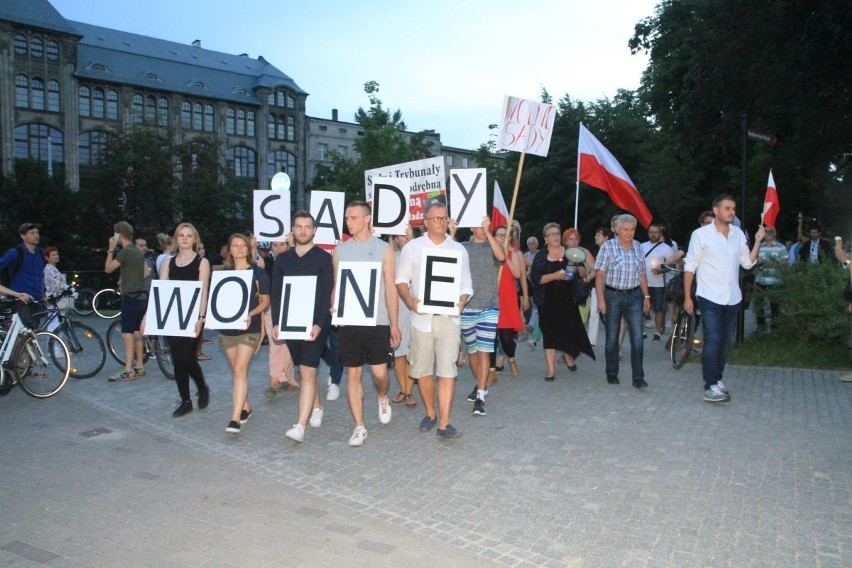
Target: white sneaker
(358, 436)
(316, 417)
(296, 433)
(384, 410)
(714, 394)
(723, 388)
(333, 392)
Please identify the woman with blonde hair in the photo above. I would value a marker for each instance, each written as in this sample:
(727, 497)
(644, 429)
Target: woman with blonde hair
(241, 344)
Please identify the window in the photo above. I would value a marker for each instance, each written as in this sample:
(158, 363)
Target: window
(112, 105)
(270, 127)
(208, 118)
(150, 109)
(37, 48)
(291, 129)
(323, 127)
(322, 150)
(281, 128)
(20, 44)
(270, 99)
(291, 102)
(229, 121)
(449, 160)
(241, 122)
(138, 103)
(90, 145)
(465, 162)
(53, 50)
(241, 162)
(280, 161)
(38, 142)
(53, 95)
(22, 91)
(37, 86)
(98, 103)
(186, 115)
(280, 96)
(343, 151)
(197, 116)
(162, 111)
(342, 130)
(250, 123)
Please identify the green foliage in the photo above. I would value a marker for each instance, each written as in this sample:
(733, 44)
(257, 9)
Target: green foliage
(777, 350)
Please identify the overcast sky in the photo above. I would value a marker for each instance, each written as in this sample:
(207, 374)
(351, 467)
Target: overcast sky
(446, 63)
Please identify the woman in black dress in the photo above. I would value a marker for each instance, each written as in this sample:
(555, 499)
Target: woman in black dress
(559, 317)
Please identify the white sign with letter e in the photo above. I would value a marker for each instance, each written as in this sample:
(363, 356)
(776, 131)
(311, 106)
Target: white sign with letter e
(173, 308)
(440, 282)
(228, 305)
(356, 295)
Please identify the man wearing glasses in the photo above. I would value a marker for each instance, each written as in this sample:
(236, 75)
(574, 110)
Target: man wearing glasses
(434, 338)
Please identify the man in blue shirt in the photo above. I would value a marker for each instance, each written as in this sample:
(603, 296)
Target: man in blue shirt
(28, 270)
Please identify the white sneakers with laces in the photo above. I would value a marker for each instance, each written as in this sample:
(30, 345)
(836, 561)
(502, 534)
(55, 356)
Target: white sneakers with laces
(385, 411)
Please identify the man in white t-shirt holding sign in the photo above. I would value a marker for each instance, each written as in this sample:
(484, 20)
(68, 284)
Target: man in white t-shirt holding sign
(656, 253)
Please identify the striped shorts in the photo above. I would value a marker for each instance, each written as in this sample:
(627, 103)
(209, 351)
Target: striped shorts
(479, 329)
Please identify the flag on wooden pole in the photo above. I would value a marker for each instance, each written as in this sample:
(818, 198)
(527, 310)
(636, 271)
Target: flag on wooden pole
(499, 211)
(771, 205)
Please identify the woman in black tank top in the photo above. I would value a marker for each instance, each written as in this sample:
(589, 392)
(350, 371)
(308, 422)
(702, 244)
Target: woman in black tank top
(187, 265)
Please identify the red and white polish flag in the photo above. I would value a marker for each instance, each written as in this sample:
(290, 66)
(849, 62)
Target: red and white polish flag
(771, 205)
(499, 212)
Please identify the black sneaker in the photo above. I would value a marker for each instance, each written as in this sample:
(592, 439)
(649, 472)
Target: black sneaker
(244, 416)
(473, 394)
(233, 427)
(427, 423)
(656, 337)
(612, 380)
(479, 407)
(448, 433)
(183, 409)
(640, 384)
(203, 397)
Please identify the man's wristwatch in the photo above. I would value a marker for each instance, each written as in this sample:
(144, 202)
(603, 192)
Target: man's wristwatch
(647, 297)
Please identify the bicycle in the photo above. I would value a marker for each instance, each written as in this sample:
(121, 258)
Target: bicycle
(154, 346)
(107, 303)
(83, 342)
(683, 339)
(38, 361)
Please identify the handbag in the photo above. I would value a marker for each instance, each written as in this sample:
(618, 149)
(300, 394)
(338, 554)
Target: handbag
(674, 289)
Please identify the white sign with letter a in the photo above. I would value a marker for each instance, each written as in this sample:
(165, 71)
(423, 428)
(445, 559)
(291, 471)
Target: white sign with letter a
(440, 282)
(296, 318)
(468, 202)
(271, 214)
(328, 209)
(228, 305)
(356, 295)
(173, 308)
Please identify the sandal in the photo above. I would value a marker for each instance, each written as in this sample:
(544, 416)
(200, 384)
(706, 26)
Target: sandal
(399, 398)
(409, 401)
(203, 357)
(513, 366)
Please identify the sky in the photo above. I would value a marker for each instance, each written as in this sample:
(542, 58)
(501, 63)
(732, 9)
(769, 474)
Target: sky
(446, 64)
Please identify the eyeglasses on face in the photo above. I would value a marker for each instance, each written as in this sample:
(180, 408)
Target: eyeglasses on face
(438, 219)
(551, 235)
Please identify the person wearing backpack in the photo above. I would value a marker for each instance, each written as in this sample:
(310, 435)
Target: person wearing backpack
(24, 265)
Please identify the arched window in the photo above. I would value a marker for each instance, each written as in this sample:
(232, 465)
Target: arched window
(250, 123)
(270, 98)
(186, 115)
(52, 50)
(98, 103)
(291, 129)
(37, 86)
(208, 118)
(37, 48)
(197, 117)
(138, 108)
(270, 127)
(112, 105)
(241, 162)
(22, 91)
(150, 109)
(241, 122)
(229, 121)
(39, 142)
(53, 102)
(280, 161)
(291, 102)
(90, 145)
(20, 44)
(162, 111)
(281, 129)
(85, 101)
(281, 101)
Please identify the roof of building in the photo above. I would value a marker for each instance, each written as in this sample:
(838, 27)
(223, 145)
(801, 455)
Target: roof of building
(126, 58)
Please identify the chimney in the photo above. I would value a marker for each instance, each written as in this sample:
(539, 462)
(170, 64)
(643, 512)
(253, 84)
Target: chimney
(334, 114)
(197, 43)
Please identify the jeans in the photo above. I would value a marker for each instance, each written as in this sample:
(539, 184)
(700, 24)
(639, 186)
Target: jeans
(628, 305)
(719, 323)
(331, 357)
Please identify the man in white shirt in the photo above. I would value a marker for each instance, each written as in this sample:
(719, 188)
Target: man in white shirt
(434, 338)
(656, 253)
(719, 249)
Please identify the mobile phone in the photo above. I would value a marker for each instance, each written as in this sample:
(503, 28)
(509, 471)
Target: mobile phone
(115, 236)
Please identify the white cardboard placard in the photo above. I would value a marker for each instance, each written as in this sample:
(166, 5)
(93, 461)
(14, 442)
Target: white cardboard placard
(468, 199)
(228, 304)
(271, 214)
(356, 293)
(440, 282)
(173, 308)
(296, 318)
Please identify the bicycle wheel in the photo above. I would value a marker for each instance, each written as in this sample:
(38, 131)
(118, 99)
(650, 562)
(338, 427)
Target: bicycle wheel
(6, 381)
(83, 302)
(42, 364)
(107, 303)
(164, 357)
(115, 343)
(86, 347)
(682, 335)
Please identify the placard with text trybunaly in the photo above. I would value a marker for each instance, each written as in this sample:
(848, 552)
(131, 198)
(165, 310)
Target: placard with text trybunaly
(228, 304)
(271, 214)
(427, 182)
(173, 308)
(440, 281)
(296, 315)
(328, 208)
(390, 206)
(468, 199)
(356, 293)
(526, 126)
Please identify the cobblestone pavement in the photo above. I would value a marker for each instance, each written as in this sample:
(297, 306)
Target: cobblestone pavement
(573, 473)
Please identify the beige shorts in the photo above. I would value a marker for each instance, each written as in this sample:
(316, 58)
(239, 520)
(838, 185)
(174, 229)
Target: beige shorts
(435, 352)
(231, 341)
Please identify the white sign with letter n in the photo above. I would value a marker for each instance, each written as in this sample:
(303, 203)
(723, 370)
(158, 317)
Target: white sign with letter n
(356, 295)
(173, 308)
(230, 292)
(296, 318)
(440, 281)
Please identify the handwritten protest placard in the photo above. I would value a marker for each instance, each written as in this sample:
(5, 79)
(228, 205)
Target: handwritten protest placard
(526, 126)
